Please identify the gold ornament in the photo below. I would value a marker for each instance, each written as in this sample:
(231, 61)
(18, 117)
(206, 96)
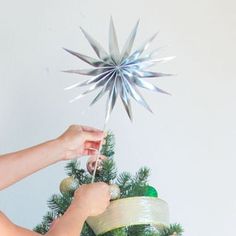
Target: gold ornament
(69, 184)
(114, 191)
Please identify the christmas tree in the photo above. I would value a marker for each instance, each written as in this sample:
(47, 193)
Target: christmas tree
(129, 186)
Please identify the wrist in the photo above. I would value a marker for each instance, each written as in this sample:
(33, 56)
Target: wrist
(60, 150)
(80, 210)
(65, 152)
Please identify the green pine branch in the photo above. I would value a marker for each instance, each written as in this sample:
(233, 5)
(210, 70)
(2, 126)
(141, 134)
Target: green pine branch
(108, 147)
(59, 203)
(173, 229)
(133, 185)
(87, 231)
(108, 171)
(124, 181)
(130, 185)
(72, 168)
(45, 224)
(146, 230)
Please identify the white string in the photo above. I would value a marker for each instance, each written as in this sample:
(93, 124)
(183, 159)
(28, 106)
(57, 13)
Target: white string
(97, 158)
(83, 112)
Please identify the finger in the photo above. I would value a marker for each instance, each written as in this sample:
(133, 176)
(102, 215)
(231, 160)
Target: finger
(93, 136)
(90, 129)
(105, 186)
(89, 152)
(92, 145)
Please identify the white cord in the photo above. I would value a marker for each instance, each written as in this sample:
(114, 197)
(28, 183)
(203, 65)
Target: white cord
(97, 158)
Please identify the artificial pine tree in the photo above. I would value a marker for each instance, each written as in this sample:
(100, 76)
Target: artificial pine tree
(130, 186)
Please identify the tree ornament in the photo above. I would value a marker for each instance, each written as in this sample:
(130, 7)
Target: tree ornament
(68, 185)
(120, 73)
(92, 163)
(114, 191)
(150, 191)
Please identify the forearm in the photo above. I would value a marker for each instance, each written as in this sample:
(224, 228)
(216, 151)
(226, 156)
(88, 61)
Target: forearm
(7, 228)
(70, 224)
(15, 166)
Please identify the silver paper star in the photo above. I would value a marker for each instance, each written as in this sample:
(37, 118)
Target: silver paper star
(118, 73)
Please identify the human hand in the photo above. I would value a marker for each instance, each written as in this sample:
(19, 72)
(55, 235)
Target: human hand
(80, 140)
(92, 199)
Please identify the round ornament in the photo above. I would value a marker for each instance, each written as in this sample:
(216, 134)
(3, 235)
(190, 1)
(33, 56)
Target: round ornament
(69, 184)
(120, 73)
(150, 191)
(92, 163)
(114, 191)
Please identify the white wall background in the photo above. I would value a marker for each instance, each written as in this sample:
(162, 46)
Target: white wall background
(190, 141)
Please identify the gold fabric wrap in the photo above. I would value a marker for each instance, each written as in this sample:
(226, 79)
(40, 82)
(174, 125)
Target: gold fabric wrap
(130, 211)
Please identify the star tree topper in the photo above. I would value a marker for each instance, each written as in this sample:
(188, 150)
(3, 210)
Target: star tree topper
(119, 73)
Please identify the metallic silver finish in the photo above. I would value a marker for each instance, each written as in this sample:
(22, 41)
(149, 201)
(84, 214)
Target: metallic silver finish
(119, 73)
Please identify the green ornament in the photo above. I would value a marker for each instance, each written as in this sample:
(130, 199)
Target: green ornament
(150, 191)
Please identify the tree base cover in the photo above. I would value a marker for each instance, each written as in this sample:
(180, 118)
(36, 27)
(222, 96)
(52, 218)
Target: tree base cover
(130, 186)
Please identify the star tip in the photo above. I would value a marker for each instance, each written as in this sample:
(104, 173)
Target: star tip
(106, 120)
(157, 32)
(81, 28)
(67, 88)
(111, 21)
(66, 71)
(130, 117)
(170, 75)
(150, 110)
(67, 50)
